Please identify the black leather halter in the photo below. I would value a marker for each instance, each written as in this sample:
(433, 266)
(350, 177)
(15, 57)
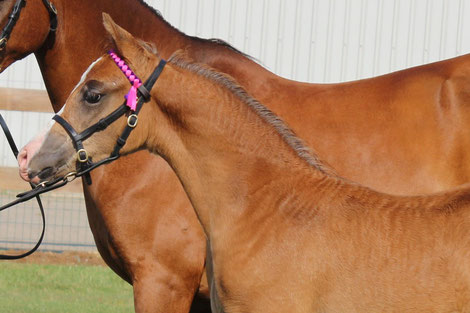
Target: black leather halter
(84, 162)
(15, 14)
(86, 167)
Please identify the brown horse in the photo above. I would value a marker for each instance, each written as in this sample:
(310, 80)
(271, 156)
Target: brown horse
(284, 235)
(402, 133)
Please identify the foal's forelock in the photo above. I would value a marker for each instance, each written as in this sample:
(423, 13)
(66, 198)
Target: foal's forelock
(181, 60)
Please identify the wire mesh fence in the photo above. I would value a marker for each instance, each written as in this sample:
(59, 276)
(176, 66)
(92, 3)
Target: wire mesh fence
(67, 225)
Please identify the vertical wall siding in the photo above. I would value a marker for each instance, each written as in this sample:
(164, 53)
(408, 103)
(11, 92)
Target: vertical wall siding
(306, 40)
(330, 40)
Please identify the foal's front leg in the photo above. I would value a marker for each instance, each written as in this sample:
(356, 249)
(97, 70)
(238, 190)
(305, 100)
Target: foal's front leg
(160, 290)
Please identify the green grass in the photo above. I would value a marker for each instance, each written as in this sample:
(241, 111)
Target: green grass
(61, 288)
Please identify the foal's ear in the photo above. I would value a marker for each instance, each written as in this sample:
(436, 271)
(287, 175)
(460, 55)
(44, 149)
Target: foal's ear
(125, 44)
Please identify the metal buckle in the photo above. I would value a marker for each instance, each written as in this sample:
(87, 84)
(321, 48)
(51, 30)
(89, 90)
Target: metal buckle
(82, 160)
(52, 7)
(129, 120)
(3, 43)
(70, 177)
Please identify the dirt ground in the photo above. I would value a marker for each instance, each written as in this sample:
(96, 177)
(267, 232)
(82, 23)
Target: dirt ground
(64, 258)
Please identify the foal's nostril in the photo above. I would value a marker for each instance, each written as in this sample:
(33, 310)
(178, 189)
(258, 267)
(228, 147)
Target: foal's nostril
(45, 173)
(31, 175)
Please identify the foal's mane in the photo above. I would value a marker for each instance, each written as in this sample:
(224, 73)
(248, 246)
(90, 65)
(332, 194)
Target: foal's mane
(181, 60)
(214, 41)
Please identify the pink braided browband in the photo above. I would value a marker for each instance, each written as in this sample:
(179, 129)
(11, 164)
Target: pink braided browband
(135, 81)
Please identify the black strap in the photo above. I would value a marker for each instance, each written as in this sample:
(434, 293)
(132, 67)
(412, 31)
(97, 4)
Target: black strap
(77, 143)
(52, 15)
(70, 130)
(7, 132)
(153, 78)
(55, 184)
(12, 19)
(144, 97)
(15, 153)
(102, 123)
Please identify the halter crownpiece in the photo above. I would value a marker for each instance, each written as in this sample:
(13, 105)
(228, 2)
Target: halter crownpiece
(135, 81)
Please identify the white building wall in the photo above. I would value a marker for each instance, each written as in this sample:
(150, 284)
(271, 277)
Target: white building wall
(315, 40)
(307, 40)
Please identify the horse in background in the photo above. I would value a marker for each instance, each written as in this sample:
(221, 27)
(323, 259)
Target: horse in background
(284, 234)
(360, 128)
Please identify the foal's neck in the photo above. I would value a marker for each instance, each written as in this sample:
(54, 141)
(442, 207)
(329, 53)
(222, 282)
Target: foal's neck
(228, 150)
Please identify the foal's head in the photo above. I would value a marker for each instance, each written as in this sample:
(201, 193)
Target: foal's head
(102, 90)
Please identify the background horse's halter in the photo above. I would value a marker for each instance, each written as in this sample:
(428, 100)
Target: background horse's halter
(15, 14)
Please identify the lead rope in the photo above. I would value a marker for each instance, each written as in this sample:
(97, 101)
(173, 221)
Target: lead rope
(14, 149)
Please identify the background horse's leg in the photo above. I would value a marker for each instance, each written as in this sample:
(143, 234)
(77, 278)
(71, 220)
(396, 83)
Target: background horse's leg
(103, 239)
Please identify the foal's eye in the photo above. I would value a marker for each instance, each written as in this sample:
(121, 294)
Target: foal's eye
(92, 97)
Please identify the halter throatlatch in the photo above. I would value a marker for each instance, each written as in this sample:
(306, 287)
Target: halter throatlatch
(135, 98)
(15, 14)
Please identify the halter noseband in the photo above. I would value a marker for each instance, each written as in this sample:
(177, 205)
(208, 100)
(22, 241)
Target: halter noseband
(15, 14)
(137, 96)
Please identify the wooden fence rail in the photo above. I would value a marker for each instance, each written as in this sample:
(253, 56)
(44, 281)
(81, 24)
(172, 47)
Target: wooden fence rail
(14, 99)
(29, 100)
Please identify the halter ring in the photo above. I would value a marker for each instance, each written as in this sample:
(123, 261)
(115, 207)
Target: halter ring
(70, 177)
(52, 7)
(79, 156)
(3, 43)
(132, 120)
(42, 184)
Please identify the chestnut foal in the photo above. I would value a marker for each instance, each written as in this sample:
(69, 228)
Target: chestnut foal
(284, 235)
(361, 128)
